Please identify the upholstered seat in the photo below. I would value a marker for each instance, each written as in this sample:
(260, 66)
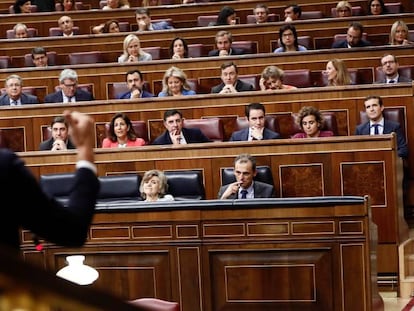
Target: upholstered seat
(51, 59)
(5, 61)
(311, 15)
(196, 50)
(155, 51)
(249, 47)
(55, 31)
(396, 114)
(394, 7)
(251, 79)
(270, 123)
(57, 185)
(186, 185)
(264, 174)
(115, 89)
(330, 124)
(91, 57)
(211, 127)
(119, 188)
(206, 20)
(406, 71)
(298, 77)
(155, 304)
(31, 33)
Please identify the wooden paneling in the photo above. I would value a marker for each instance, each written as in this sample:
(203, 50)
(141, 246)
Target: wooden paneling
(236, 257)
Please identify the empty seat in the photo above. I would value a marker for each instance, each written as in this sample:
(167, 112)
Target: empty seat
(155, 51)
(31, 33)
(92, 57)
(251, 19)
(311, 15)
(264, 174)
(251, 79)
(249, 47)
(155, 304)
(140, 128)
(55, 31)
(119, 188)
(186, 184)
(206, 20)
(211, 127)
(124, 27)
(196, 50)
(51, 59)
(5, 61)
(57, 185)
(394, 7)
(298, 77)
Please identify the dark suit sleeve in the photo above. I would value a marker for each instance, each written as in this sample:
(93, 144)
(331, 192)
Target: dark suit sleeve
(42, 215)
(401, 143)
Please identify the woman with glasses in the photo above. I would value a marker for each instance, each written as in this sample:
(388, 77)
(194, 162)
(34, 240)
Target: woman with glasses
(288, 40)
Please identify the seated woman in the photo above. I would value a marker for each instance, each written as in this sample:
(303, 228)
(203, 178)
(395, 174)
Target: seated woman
(174, 83)
(178, 48)
(343, 9)
(399, 34)
(111, 26)
(337, 73)
(20, 31)
(272, 79)
(288, 40)
(310, 120)
(116, 4)
(133, 51)
(377, 7)
(226, 16)
(146, 3)
(65, 5)
(22, 6)
(154, 187)
(121, 133)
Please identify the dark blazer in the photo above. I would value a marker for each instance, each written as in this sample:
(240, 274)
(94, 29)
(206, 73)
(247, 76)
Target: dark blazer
(191, 135)
(244, 135)
(233, 51)
(240, 87)
(400, 79)
(261, 190)
(127, 95)
(344, 44)
(161, 25)
(389, 127)
(44, 216)
(24, 98)
(48, 144)
(57, 97)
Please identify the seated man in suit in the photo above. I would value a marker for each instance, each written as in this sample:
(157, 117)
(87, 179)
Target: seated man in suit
(143, 17)
(353, 37)
(39, 56)
(377, 125)
(261, 13)
(66, 26)
(224, 39)
(390, 67)
(245, 187)
(135, 84)
(69, 92)
(60, 136)
(256, 130)
(176, 134)
(231, 83)
(14, 95)
(292, 12)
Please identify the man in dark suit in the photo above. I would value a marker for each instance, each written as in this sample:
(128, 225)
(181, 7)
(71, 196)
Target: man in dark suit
(60, 136)
(353, 37)
(231, 83)
(256, 130)
(377, 125)
(245, 187)
(41, 214)
(224, 39)
(176, 134)
(143, 18)
(69, 92)
(135, 84)
(390, 65)
(14, 95)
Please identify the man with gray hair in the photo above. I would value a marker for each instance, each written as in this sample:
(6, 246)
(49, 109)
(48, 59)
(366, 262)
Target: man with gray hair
(69, 91)
(14, 95)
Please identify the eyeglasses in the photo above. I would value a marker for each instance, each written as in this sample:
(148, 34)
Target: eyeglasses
(69, 85)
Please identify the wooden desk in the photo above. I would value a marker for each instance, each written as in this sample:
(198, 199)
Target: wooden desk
(271, 255)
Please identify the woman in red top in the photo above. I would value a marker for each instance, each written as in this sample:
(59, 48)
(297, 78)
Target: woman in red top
(310, 121)
(121, 133)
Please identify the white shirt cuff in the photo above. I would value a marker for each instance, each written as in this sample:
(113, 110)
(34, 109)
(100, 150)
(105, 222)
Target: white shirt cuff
(88, 165)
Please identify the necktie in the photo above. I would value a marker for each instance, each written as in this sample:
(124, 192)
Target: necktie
(244, 194)
(14, 103)
(391, 81)
(375, 126)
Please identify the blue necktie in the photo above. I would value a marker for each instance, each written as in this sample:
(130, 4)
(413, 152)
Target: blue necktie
(375, 126)
(244, 194)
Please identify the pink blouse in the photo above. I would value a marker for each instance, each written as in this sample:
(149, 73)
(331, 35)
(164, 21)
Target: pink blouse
(107, 143)
(321, 134)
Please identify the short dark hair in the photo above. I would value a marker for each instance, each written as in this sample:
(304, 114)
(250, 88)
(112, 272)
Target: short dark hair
(185, 44)
(296, 9)
(38, 50)
(142, 10)
(357, 26)
(59, 119)
(172, 112)
(257, 106)
(244, 158)
(228, 64)
(380, 102)
(132, 71)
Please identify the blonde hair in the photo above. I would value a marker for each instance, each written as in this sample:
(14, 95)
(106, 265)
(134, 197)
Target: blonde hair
(174, 72)
(163, 182)
(273, 72)
(342, 74)
(128, 39)
(393, 31)
(344, 5)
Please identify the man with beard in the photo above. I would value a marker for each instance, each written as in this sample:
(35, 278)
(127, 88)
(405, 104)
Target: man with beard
(135, 84)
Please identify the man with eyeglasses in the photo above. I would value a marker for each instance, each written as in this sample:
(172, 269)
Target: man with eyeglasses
(135, 84)
(353, 38)
(14, 95)
(69, 91)
(389, 66)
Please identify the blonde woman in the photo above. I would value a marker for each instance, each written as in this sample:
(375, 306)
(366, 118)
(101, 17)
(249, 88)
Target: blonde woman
(133, 51)
(399, 34)
(343, 9)
(116, 4)
(175, 83)
(272, 79)
(154, 187)
(337, 73)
